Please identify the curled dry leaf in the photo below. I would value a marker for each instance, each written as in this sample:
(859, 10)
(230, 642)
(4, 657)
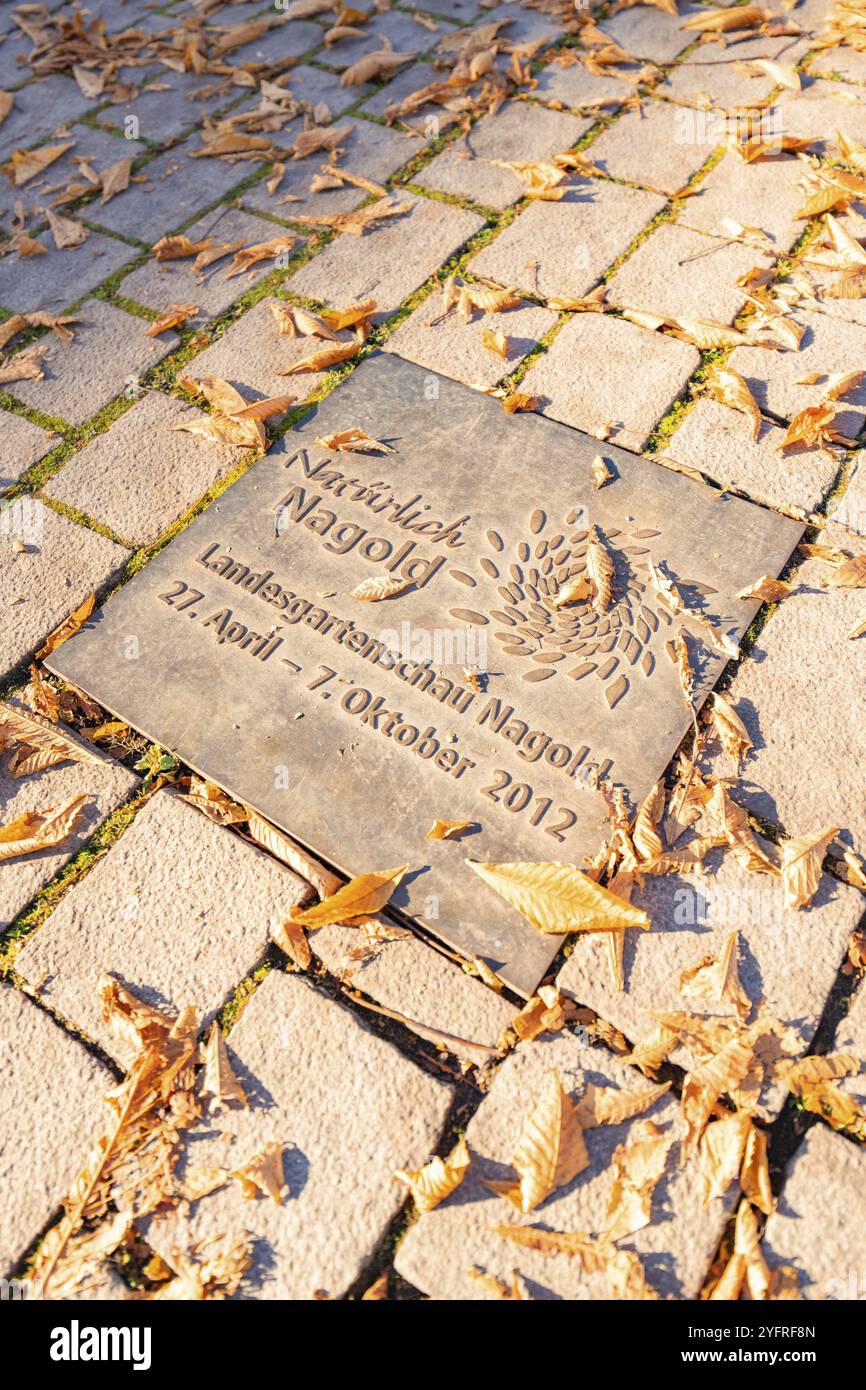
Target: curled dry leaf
(291, 938)
(325, 358)
(219, 1080)
(373, 66)
(213, 802)
(622, 1268)
(729, 727)
(802, 866)
(284, 849)
(448, 829)
(638, 1165)
(559, 898)
(440, 1177)
(545, 1012)
(73, 624)
(66, 231)
(359, 897)
(767, 589)
(495, 342)
(716, 979)
(599, 564)
(25, 165)
(170, 318)
(574, 591)
(608, 1105)
(602, 471)
(263, 1173)
(35, 831)
(249, 256)
(172, 248)
(385, 586)
(850, 573)
(353, 441)
(550, 1151)
(378, 1290)
(810, 427)
(728, 388)
(39, 743)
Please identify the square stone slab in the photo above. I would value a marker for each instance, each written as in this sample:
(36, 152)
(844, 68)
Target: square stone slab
(155, 912)
(168, 105)
(720, 77)
(110, 352)
(456, 757)
(828, 345)
(174, 188)
(787, 959)
(456, 349)
(683, 274)
(390, 262)
(764, 194)
(51, 1092)
(38, 108)
(159, 284)
(23, 445)
(575, 85)
(106, 785)
(439, 1250)
(143, 473)
(517, 133)
(100, 148)
(656, 147)
(63, 563)
(795, 698)
(562, 248)
(372, 151)
(602, 373)
(822, 108)
(57, 279)
(347, 1109)
(651, 33)
(718, 441)
(252, 353)
(818, 1226)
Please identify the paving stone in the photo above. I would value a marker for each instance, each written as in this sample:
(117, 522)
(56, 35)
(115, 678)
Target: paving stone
(110, 350)
(651, 33)
(404, 33)
(39, 108)
(279, 45)
(421, 984)
(316, 86)
(562, 248)
(23, 445)
(720, 77)
(57, 279)
(106, 786)
(14, 52)
(604, 371)
(718, 441)
(123, 14)
(841, 62)
(818, 1224)
(63, 564)
(525, 27)
(765, 194)
(461, 11)
(347, 1108)
(405, 83)
(372, 151)
(828, 345)
(678, 273)
(787, 959)
(174, 188)
(439, 1250)
(173, 103)
(179, 911)
(659, 147)
(795, 698)
(159, 284)
(575, 85)
(455, 348)
(100, 148)
(822, 108)
(53, 1088)
(172, 469)
(392, 262)
(252, 353)
(851, 510)
(517, 132)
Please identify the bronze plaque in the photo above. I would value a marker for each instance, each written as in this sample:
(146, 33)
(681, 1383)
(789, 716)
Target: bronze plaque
(354, 724)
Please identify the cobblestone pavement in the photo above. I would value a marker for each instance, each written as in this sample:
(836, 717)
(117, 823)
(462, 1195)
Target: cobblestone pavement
(642, 268)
